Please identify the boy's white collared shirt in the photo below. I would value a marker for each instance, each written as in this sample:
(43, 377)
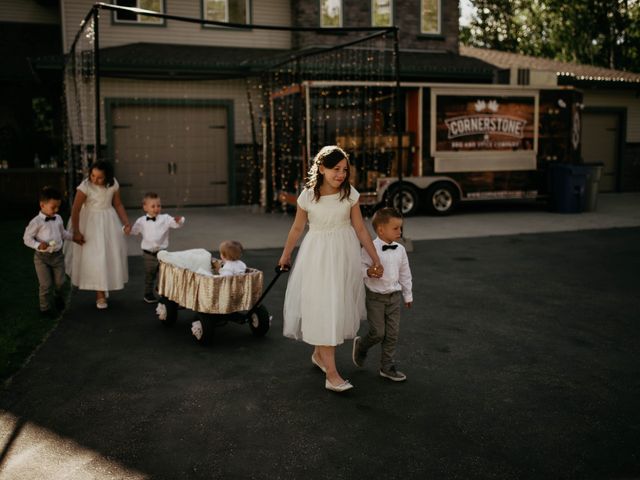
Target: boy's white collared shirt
(397, 273)
(50, 232)
(155, 234)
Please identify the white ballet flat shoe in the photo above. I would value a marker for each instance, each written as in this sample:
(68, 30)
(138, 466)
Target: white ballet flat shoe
(343, 387)
(317, 364)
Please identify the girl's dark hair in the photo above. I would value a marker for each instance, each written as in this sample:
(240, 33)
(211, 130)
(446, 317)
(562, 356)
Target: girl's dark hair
(328, 157)
(105, 167)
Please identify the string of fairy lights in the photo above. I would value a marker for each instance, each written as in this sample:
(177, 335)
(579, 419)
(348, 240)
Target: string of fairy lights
(328, 96)
(358, 117)
(79, 102)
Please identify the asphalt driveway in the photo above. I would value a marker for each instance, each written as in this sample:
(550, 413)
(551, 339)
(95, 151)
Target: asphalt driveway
(522, 356)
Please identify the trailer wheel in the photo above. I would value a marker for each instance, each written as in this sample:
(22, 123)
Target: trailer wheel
(172, 312)
(410, 201)
(442, 198)
(260, 321)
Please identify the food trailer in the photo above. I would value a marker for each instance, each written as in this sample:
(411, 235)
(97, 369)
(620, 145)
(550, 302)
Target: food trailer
(459, 142)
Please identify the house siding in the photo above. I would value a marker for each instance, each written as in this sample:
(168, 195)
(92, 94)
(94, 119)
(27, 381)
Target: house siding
(28, 11)
(629, 173)
(618, 98)
(357, 13)
(274, 12)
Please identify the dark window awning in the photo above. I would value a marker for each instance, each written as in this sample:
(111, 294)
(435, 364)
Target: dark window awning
(154, 60)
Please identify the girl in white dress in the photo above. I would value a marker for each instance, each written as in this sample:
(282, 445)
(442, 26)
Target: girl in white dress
(324, 301)
(98, 257)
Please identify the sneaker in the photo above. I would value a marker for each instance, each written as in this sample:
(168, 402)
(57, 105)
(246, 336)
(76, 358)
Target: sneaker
(356, 355)
(150, 298)
(392, 374)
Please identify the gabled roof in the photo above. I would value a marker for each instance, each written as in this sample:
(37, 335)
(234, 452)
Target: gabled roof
(184, 61)
(568, 73)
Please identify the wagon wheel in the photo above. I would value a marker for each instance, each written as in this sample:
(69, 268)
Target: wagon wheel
(260, 321)
(202, 329)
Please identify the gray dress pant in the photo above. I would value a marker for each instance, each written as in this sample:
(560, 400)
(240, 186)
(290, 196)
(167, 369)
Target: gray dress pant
(383, 316)
(50, 272)
(151, 267)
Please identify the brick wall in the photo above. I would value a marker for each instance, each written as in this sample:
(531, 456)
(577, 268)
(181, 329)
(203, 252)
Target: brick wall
(357, 13)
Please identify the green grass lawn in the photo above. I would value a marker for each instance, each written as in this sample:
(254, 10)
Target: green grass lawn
(22, 328)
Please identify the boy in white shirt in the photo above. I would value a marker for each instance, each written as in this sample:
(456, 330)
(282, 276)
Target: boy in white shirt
(46, 234)
(154, 228)
(385, 295)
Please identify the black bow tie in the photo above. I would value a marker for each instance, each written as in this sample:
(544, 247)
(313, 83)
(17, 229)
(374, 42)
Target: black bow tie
(153, 219)
(387, 247)
(49, 219)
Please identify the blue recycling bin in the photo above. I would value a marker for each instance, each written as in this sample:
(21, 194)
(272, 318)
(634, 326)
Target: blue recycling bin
(568, 185)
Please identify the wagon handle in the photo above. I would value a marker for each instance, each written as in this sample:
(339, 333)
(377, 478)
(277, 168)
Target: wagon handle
(279, 271)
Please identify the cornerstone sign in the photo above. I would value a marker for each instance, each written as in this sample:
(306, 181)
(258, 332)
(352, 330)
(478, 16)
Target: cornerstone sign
(481, 123)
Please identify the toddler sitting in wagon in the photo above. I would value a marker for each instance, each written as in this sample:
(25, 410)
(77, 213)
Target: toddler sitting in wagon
(230, 253)
(188, 279)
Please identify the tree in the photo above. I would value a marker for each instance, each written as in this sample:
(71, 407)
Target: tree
(493, 25)
(597, 32)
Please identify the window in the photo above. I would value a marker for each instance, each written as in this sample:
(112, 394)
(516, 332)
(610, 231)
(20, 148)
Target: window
(132, 17)
(330, 13)
(430, 16)
(231, 11)
(381, 13)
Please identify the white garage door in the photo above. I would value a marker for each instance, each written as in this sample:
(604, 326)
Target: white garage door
(179, 152)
